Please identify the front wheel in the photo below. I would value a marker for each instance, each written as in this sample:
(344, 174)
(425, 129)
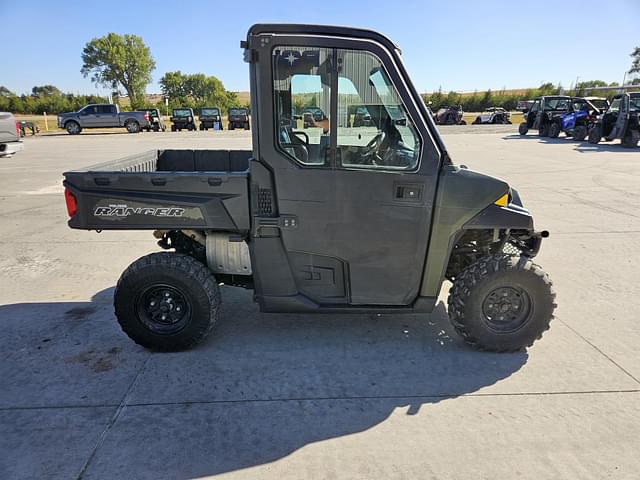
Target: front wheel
(595, 135)
(523, 128)
(167, 301)
(72, 128)
(554, 130)
(580, 133)
(630, 139)
(501, 303)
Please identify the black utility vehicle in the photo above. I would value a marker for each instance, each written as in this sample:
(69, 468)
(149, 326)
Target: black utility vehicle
(450, 116)
(581, 115)
(542, 114)
(335, 219)
(182, 118)
(620, 121)
(155, 120)
(210, 117)
(238, 118)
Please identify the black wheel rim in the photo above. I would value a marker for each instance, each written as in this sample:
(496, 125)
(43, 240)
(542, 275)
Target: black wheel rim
(506, 309)
(163, 309)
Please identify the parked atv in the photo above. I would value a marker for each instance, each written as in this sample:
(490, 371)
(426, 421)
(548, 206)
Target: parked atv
(210, 117)
(620, 121)
(449, 116)
(183, 118)
(493, 115)
(580, 117)
(238, 118)
(155, 120)
(543, 113)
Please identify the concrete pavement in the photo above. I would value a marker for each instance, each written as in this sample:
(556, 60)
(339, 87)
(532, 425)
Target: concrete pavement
(320, 396)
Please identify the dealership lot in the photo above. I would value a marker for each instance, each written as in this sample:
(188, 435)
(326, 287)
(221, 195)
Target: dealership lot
(324, 396)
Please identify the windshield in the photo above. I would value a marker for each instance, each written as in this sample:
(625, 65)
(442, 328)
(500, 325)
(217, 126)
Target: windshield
(556, 104)
(600, 104)
(209, 112)
(237, 111)
(181, 112)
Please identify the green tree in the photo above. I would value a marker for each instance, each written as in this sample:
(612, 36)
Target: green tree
(119, 60)
(45, 91)
(635, 61)
(5, 92)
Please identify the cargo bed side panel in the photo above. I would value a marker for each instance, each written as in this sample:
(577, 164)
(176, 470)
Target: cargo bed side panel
(160, 200)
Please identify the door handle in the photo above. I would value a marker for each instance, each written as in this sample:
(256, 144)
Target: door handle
(409, 192)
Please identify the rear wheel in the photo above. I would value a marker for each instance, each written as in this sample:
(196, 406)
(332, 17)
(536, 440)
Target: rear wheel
(132, 126)
(501, 303)
(580, 133)
(462, 122)
(543, 131)
(554, 130)
(173, 128)
(630, 139)
(167, 301)
(523, 128)
(595, 135)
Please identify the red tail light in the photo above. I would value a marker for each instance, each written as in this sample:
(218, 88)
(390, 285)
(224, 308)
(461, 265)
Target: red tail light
(146, 117)
(18, 129)
(72, 204)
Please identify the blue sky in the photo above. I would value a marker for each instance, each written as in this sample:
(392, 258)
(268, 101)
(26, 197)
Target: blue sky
(456, 45)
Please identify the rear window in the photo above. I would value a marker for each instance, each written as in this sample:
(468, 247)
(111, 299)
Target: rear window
(182, 112)
(209, 112)
(237, 111)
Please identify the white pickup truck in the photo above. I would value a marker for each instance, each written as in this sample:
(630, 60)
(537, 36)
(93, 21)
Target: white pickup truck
(10, 142)
(105, 115)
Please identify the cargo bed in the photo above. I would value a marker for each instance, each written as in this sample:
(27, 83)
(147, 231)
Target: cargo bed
(163, 189)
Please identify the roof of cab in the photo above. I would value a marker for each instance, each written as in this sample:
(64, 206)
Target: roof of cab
(332, 30)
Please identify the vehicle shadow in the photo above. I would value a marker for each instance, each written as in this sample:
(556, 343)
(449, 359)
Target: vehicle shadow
(63, 133)
(260, 388)
(534, 136)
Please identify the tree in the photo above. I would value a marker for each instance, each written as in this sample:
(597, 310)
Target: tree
(635, 62)
(5, 92)
(45, 91)
(119, 60)
(196, 90)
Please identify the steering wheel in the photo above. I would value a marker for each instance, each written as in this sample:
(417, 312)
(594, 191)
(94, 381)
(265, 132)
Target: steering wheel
(372, 147)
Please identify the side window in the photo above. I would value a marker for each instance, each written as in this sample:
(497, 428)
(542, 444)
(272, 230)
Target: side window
(302, 95)
(536, 106)
(90, 110)
(374, 129)
(105, 109)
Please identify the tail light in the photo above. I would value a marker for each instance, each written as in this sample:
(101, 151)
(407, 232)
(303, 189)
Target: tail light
(18, 129)
(146, 117)
(72, 203)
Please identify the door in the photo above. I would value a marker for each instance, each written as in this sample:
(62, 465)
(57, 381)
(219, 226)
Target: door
(107, 116)
(89, 117)
(357, 197)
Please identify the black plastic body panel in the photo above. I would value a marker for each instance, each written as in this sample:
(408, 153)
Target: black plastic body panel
(494, 216)
(167, 189)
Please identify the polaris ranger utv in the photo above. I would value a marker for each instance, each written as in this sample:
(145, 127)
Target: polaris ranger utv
(182, 118)
(238, 118)
(210, 117)
(620, 121)
(542, 114)
(333, 219)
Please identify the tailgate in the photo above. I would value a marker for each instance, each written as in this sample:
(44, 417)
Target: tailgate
(163, 190)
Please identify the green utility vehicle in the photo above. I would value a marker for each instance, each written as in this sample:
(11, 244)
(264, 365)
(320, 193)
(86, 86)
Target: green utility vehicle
(334, 218)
